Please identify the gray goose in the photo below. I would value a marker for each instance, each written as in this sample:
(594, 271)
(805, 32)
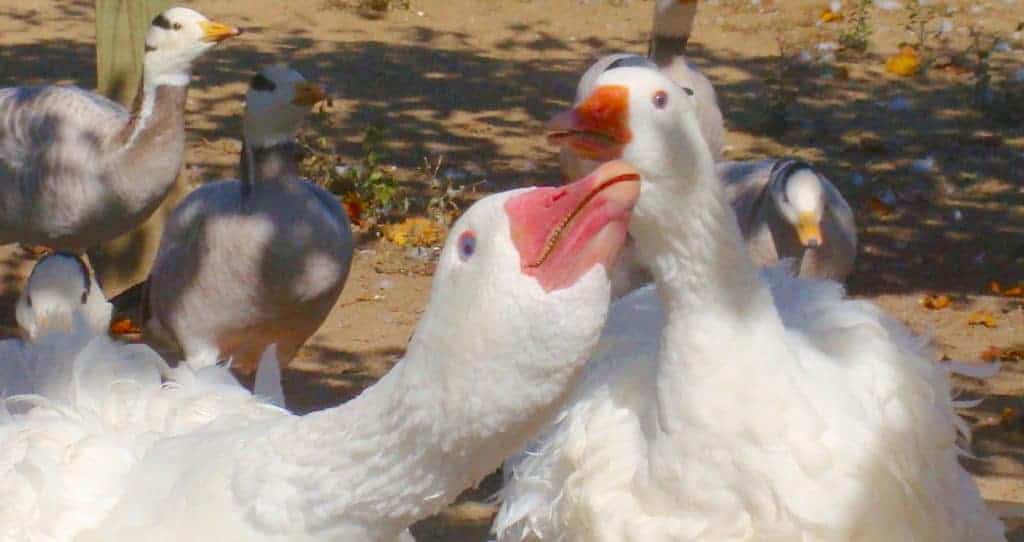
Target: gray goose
(673, 23)
(77, 169)
(788, 210)
(243, 264)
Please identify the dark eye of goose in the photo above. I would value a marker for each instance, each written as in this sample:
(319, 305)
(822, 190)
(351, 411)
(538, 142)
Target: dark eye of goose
(261, 83)
(660, 99)
(688, 91)
(176, 26)
(467, 245)
(162, 22)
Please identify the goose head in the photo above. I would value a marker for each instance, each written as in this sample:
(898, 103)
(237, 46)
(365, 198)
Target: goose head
(798, 194)
(640, 116)
(176, 38)
(60, 292)
(276, 104)
(524, 274)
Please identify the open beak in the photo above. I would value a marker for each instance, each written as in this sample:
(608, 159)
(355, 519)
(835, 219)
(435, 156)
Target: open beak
(308, 94)
(562, 232)
(808, 230)
(597, 128)
(217, 32)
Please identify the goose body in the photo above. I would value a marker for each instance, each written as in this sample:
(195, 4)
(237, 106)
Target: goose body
(77, 169)
(670, 31)
(730, 404)
(244, 264)
(114, 446)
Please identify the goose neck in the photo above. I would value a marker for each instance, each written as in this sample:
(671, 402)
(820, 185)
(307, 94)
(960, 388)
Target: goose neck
(710, 289)
(412, 442)
(266, 162)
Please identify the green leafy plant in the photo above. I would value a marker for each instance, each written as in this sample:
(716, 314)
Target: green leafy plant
(368, 184)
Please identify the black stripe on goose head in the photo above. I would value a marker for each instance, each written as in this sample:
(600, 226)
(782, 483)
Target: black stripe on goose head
(632, 61)
(162, 22)
(261, 83)
(637, 61)
(785, 167)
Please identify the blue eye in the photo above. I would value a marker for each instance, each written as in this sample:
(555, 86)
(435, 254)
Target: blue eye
(467, 245)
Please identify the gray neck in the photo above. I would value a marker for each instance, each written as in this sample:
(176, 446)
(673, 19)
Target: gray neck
(664, 49)
(151, 147)
(262, 164)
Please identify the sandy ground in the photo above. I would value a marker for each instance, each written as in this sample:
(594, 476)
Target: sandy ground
(473, 81)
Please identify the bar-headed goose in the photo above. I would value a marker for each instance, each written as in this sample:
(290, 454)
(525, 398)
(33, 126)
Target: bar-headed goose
(77, 169)
(138, 452)
(243, 264)
(787, 209)
(728, 404)
(673, 23)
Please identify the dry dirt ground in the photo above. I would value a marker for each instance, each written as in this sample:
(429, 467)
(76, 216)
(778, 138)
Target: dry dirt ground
(474, 80)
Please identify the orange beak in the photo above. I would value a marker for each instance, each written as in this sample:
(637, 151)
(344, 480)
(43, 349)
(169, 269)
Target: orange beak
(217, 32)
(561, 233)
(596, 129)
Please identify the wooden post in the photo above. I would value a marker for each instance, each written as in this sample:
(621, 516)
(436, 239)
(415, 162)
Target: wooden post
(121, 27)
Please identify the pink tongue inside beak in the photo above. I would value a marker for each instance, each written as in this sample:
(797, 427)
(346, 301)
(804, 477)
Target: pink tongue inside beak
(562, 232)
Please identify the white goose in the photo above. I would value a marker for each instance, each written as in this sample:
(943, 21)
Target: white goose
(727, 405)
(247, 263)
(518, 300)
(77, 169)
(673, 24)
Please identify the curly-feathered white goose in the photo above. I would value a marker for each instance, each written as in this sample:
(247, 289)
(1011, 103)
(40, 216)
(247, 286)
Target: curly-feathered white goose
(77, 169)
(670, 31)
(243, 264)
(728, 405)
(130, 450)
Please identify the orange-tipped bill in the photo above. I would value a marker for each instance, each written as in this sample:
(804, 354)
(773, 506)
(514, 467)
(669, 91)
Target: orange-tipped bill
(217, 32)
(808, 230)
(308, 94)
(597, 128)
(562, 232)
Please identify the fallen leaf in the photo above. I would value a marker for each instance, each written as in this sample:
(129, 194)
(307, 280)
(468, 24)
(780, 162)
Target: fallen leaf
(1016, 291)
(982, 318)
(994, 287)
(828, 16)
(416, 231)
(935, 302)
(1008, 414)
(994, 353)
(124, 326)
(353, 206)
(878, 207)
(907, 62)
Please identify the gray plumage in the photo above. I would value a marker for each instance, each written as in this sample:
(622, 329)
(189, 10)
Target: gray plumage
(755, 189)
(77, 169)
(69, 178)
(244, 264)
